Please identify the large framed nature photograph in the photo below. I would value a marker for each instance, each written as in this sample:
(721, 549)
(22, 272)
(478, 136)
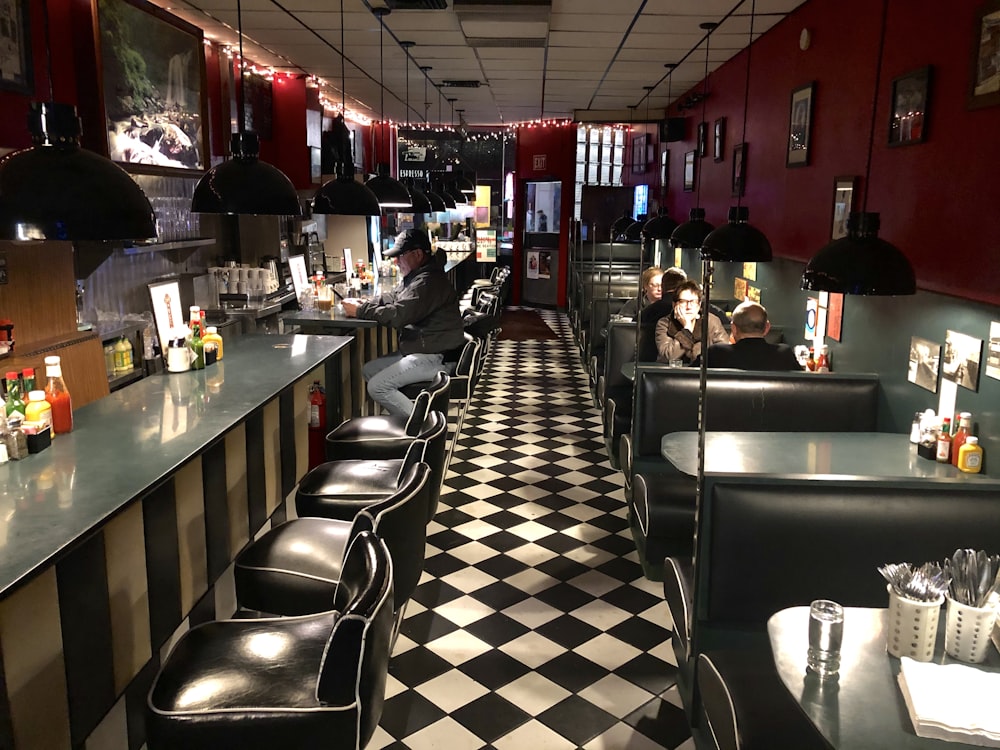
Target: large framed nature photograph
(15, 46)
(800, 125)
(908, 113)
(984, 76)
(153, 75)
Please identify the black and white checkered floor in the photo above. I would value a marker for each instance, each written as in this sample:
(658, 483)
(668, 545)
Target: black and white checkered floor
(533, 626)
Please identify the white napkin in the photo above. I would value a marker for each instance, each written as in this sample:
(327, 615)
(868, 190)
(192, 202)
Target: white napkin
(952, 702)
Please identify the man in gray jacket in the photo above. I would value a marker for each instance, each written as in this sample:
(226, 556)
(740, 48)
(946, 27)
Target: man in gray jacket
(424, 308)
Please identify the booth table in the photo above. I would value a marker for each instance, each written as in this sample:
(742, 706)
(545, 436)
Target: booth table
(863, 709)
(121, 534)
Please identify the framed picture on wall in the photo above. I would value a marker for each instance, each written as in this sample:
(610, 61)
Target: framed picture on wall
(639, 153)
(719, 144)
(664, 169)
(702, 145)
(843, 204)
(908, 113)
(739, 170)
(984, 76)
(155, 114)
(15, 46)
(689, 159)
(800, 125)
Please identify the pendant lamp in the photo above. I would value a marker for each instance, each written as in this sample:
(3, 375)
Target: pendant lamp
(421, 203)
(446, 196)
(737, 241)
(457, 195)
(244, 184)
(633, 232)
(56, 190)
(391, 193)
(620, 224)
(660, 227)
(437, 202)
(693, 232)
(861, 263)
(343, 195)
(464, 184)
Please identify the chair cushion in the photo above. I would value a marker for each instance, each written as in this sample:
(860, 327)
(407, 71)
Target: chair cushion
(368, 437)
(339, 489)
(294, 568)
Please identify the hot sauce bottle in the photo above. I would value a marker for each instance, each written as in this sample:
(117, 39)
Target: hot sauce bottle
(57, 394)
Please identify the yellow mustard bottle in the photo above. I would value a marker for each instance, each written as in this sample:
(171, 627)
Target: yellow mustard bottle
(970, 456)
(212, 334)
(38, 410)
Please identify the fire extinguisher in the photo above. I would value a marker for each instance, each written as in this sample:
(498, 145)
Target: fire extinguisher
(317, 425)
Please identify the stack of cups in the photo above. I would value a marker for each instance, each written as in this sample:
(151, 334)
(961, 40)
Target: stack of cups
(912, 626)
(967, 631)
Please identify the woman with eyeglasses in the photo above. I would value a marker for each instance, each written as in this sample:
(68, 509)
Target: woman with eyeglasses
(678, 336)
(655, 283)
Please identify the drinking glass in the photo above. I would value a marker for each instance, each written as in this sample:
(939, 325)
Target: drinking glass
(826, 632)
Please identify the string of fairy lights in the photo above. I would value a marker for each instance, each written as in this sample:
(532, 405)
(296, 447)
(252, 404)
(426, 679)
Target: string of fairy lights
(335, 107)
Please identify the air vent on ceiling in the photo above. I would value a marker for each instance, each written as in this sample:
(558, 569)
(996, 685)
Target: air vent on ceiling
(489, 41)
(417, 4)
(461, 84)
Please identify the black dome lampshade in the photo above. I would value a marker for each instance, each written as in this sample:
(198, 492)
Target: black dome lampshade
(449, 200)
(56, 190)
(660, 227)
(692, 232)
(619, 226)
(344, 195)
(245, 185)
(860, 263)
(736, 241)
(460, 198)
(391, 193)
(465, 185)
(421, 203)
(437, 201)
(633, 232)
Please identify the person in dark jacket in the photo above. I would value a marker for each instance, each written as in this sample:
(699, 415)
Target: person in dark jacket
(424, 309)
(678, 336)
(749, 350)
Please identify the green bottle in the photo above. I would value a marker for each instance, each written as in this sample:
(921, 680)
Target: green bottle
(198, 347)
(15, 399)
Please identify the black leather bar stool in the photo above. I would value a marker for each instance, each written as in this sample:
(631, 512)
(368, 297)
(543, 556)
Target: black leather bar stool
(386, 436)
(339, 489)
(295, 568)
(294, 683)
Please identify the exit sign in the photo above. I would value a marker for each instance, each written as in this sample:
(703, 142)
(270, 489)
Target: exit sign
(539, 162)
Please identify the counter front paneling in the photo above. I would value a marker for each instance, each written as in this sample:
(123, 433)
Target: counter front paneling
(117, 537)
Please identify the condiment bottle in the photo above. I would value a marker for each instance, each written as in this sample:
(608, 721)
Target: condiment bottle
(944, 442)
(823, 363)
(811, 361)
(57, 394)
(27, 380)
(15, 401)
(17, 441)
(123, 356)
(915, 428)
(197, 346)
(960, 436)
(38, 410)
(212, 334)
(970, 456)
(109, 360)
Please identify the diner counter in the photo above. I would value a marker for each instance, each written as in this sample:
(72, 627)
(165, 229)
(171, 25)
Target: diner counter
(122, 533)
(126, 443)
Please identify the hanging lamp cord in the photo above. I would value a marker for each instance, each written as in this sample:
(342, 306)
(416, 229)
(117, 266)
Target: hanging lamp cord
(704, 109)
(241, 112)
(878, 81)
(746, 89)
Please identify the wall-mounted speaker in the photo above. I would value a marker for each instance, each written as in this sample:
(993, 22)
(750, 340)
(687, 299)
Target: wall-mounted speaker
(673, 129)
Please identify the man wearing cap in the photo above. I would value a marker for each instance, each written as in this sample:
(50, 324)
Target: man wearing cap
(424, 309)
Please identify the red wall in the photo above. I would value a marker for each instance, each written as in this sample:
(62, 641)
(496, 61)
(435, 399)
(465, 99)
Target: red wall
(558, 145)
(938, 200)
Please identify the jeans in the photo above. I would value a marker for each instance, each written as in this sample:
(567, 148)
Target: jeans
(386, 375)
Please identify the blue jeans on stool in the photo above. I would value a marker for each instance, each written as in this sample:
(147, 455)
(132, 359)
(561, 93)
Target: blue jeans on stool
(386, 375)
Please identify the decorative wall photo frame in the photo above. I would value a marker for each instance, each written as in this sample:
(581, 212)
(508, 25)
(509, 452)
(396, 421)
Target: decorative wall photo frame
(908, 113)
(165, 299)
(800, 125)
(689, 171)
(719, 143)
(155, 116)
(984, 73)
(664, 169)
(739, 182)
(844, 190)
(925, 361)
(702, 144)
(961, 358)
(15, 47)
(639, 153)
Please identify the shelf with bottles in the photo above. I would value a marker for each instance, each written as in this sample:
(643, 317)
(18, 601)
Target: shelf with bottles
(159, 246)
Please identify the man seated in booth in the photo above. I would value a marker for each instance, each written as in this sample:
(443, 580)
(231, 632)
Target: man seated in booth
(678, 335)
(424, 308)
(749, 350)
